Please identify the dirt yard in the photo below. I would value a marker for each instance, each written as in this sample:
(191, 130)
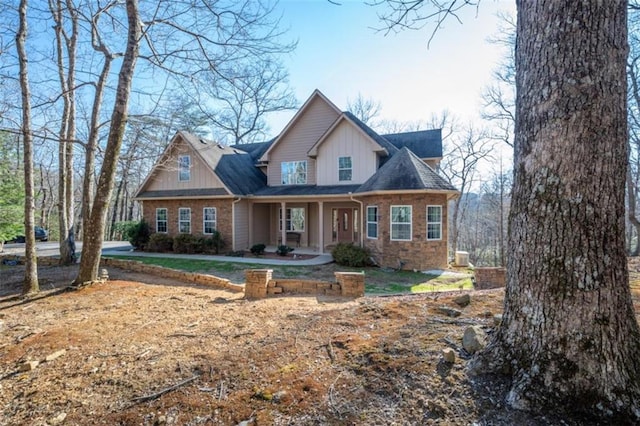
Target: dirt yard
(141, 350)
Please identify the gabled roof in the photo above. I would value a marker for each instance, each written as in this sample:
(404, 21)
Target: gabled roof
(316, 94)
(234, 167)
(423, 143)
(405, 171)
(380, 140)
(384, 146)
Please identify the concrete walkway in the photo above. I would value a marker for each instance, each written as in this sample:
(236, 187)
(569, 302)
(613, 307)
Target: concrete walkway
(320, 259)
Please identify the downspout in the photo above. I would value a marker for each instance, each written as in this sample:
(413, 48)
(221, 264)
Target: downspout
(361, 230)
(233, 223)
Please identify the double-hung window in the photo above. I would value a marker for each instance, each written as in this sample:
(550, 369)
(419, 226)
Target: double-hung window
(208, 220)
(434, 222)
(294, 219)
(184, 220)
(345, 169)
(161, 220)
(401, 223)
(184, 168)
(372, 222)
(294, 172)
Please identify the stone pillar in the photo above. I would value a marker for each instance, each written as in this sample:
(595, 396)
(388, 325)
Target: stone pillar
(351, 283)
(256, 281)
(486, 278)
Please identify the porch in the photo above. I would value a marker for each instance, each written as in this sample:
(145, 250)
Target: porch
(310, 227)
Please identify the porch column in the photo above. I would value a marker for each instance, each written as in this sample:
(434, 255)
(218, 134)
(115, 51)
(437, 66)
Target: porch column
(250, 207)
(283, 217)
(321, 227)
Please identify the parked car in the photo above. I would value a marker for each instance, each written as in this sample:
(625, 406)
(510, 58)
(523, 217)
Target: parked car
(41, 235)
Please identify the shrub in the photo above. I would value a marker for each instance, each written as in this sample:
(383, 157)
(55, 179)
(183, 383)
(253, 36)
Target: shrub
(283, 250)
(213, 243)
(347, 254)
(160, 243)
(137, 233)
(258, 249)
(187, 243)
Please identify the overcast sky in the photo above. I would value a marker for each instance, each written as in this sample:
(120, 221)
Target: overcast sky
(341, 54)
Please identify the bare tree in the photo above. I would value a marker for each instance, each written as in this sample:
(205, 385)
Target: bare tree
(66, 47)
(366, 109)
(499, 97)
(30, 284)
(461, 158)
(235, 105)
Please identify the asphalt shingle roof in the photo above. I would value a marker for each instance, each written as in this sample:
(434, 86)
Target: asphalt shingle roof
(423, 143)
(380, 140)
(405, 171)
(234, 167)
(300, 190)
(184, 193)
(255, 150)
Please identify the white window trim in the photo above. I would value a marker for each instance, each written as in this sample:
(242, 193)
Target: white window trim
(439, 223)
(180, 221)
(391, 223)
(188, 171)
(204, 221)
(166, 220)
(342, 168)
(377, 222)
(306, 172)
(284, 220)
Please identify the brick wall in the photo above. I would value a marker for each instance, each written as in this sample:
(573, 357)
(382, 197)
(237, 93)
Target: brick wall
(418, 253)
(486, 278)
(259, 283)
(223, 215)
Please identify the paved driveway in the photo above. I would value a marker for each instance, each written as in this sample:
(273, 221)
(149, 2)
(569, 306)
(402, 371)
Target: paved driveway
(50, 248)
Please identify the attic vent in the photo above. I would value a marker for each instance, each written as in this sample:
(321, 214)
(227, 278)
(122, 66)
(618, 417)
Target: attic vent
(203, 141)
(220, 146)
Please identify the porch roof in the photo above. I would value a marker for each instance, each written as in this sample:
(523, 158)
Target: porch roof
(302, 190)
(183, 193)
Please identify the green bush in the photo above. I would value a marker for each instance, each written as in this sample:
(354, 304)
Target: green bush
(137, 233)
(284, 250)
(347, 254)
(258, 249)
(213, 243)
(160, 243)
(187, 243)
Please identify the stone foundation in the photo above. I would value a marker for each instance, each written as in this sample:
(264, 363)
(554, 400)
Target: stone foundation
(486, 278)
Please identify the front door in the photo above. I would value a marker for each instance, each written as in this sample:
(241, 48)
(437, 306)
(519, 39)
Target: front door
(345, 224)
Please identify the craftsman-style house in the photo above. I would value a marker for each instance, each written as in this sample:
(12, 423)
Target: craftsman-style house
(326, 178)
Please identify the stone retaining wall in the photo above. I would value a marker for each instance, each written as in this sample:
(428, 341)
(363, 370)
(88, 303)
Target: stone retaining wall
(260, 284)
(486, 278)
(203, 279)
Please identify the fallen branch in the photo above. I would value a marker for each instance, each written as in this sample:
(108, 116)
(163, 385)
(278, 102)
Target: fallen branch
(163, 391)
(182, 335)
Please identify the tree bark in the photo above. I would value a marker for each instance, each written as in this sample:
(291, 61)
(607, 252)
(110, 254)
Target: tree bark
(94, 225)
(569, 338)
(30, 284)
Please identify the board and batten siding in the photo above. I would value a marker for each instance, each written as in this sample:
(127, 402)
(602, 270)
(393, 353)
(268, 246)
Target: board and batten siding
(299, 139)
(166, 175)
(241, 225)
(345, 141)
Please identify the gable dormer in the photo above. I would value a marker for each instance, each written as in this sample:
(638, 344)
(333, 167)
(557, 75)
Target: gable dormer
(287, 159)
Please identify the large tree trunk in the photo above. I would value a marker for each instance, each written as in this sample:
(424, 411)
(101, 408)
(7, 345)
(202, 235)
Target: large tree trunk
(569, 337)
(93, 233)
(30, 284)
